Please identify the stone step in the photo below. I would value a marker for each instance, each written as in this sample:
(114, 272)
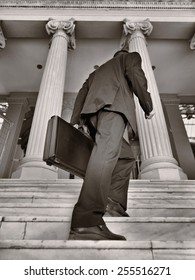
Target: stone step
(189, 190)
(35, 221)
(134, 228)
(76, 188)
(67, 195)
(17, 201)
(96, 250)
(65, 209)
(134, 205)
(68, 183)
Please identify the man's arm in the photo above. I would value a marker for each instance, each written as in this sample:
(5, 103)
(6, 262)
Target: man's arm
(79, 102)
(136, 77)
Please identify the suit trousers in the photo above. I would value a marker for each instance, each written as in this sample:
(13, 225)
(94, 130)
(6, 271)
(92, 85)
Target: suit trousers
(96, 188)
(120, 181)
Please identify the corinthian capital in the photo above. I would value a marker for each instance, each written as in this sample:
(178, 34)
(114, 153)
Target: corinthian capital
(192, 43)
(131, 27)
(67, 28)
(2, 39)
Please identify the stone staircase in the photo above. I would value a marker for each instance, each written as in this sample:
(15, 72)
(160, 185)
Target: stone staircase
(35, 220)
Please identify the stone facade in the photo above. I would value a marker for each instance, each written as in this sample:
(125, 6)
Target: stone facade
(110, 20)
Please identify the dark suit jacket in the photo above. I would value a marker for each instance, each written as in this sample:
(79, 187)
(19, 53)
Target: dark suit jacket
(112, 86)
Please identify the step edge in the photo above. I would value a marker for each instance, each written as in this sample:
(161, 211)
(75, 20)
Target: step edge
(89, 244)
(38, 219)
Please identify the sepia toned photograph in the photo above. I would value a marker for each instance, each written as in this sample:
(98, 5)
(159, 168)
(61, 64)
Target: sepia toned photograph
(97, 130)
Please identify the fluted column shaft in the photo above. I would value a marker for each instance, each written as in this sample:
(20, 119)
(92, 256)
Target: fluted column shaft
(50, 97)
(157, 158)
(192, 43)
(2, 39)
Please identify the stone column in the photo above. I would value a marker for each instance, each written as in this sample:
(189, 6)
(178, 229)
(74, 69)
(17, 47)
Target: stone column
(157, 158)
(192, 43)
(49, 101)
(2, 39)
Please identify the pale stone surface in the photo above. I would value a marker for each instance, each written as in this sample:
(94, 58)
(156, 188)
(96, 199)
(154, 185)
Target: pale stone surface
(70, 254)
(56, 201)
(74, 250)
(47, 231)
(75, 244)
(148, 230)
(12, 231)
(163, 173)
(64, 184)
(173, 244)
(15, 200)
(133, 212)
(140, 230)
(161, 212)
(155, 231)
(36, 211)
(186, 254)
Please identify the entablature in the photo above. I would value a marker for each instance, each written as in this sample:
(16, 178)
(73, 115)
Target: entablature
(88, 4)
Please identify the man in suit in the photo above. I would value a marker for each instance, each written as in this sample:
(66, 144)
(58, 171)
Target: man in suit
(105, 104)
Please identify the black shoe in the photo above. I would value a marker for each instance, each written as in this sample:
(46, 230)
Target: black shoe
(100, 232)
(114, 209)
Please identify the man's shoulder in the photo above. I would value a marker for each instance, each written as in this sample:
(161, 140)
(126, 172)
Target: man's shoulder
(133, 54)
(133, 57)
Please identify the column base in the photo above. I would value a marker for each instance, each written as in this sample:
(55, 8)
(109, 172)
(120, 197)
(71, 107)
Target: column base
(63, 174)
(163, 168)
(35, 168)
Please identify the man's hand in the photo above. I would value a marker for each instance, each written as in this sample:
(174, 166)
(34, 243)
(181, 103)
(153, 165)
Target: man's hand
(148, 117)
(76, 126)
(82, 128)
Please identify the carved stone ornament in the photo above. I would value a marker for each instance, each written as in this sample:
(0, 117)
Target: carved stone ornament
(144, 26)
(130, 27)
(2, 39)
(67, 28)
(192, 43)
(98, 4)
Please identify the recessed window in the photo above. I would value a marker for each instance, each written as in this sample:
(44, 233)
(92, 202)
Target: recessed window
(188, 116)
(3, 110)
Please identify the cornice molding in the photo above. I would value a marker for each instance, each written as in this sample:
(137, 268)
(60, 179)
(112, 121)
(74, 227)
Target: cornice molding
(96, 4)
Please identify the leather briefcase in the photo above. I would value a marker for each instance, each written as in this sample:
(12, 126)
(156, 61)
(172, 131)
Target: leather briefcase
(66, 147)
